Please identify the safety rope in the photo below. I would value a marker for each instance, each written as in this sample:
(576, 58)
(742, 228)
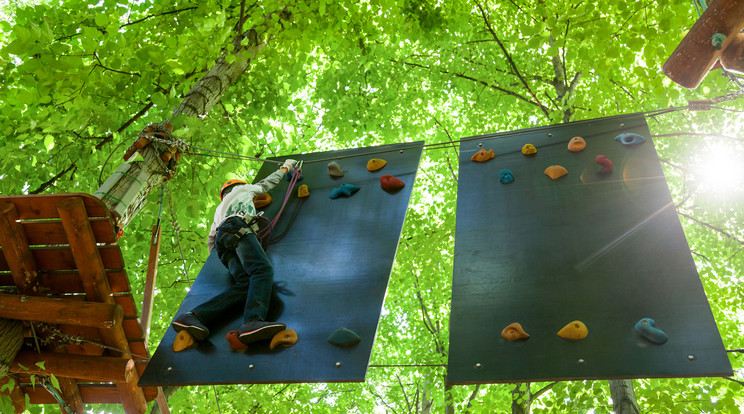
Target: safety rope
(264, 234)
(177, 230)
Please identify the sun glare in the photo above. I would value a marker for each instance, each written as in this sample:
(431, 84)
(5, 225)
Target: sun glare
(720, 172)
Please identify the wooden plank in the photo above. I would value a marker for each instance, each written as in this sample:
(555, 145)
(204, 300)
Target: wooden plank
(16, 252)
(71, 395)
(137, 346)
(52, 310)
(61, 258)
(132, 396)
(695, 54)
(16, 395)
(132, 328)
(90, 394)
(45, 205)
(152, 273)
(90, 266)
(51, 231)
(127, 302)
(100, 369)
(61, 282)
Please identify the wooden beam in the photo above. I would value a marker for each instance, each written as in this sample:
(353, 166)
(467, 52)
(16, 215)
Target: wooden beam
(71, 395)
(44, 206)
(152, 272)
(732, 57)
(132, 397)
(91, 394)
(100, 369)
(695, 55)
(89, 265)
(16, 395)
(60, 311)
(16, 251)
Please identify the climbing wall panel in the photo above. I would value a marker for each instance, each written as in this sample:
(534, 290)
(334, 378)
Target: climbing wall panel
(606, 249)
(334, 257)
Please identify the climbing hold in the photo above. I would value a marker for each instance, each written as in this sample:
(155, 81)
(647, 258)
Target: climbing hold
(345, 190)
(575, 331)
(375, 164)
(288, 175)
(262, 200)
(629, 138)
(605, 162)
(233, 338)
(391, 184)
(555, 171)
(184, 340)
(287, 337)
(334, 169)
(514, 332)
(576, 144)
(506, 176)
(482, 155)
(529, 149)
(303, 191)
(646, 328)
(344, 337)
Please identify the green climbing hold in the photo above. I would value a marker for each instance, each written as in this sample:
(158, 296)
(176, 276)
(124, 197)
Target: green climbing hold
(344, 337)
(345, 190)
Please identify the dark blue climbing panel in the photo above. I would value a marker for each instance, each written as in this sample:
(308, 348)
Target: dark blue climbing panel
(334, 258)
(606, 249)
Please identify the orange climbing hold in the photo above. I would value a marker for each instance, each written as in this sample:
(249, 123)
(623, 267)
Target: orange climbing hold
(482, 155)
(287, 337)
(529, 149)
(555, 171)
(375, 164)
(303, 191)
(262, 200)
(576, 144)
(514, 332)
(183, 340)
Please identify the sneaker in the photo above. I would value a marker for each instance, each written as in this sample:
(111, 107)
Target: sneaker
(191, 324)
(254, 331)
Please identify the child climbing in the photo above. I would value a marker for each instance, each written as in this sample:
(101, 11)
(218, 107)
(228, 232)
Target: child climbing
(234, 234)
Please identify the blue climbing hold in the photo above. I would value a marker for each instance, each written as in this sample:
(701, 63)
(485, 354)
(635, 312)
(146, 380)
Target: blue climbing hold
(288, 175)
(646, 328)
(344, 338)
(345, 190)
(506, 176)
(630, 138)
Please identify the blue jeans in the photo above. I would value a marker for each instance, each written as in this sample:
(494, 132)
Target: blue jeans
(252, 277)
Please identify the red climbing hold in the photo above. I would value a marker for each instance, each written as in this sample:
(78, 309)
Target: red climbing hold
(605, 162)
(391, 184)
(232, 339)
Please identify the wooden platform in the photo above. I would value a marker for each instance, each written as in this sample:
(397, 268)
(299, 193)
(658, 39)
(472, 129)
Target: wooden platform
(62, 270)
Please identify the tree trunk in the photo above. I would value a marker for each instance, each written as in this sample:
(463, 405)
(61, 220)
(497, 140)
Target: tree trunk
(623, 397)
(125, 191)
(521, 398)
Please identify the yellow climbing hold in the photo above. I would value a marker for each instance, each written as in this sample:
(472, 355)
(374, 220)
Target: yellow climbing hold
(262, 200)
(183, 341)
(529, 149)
(576, 144)
(574, 331)
(514, 332)
(287, 337)
(483, 155)
(375, 164)
(303, 191)
(555, 171)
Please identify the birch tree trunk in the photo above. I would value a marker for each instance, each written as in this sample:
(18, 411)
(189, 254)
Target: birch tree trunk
(623, 397)
(125, 191)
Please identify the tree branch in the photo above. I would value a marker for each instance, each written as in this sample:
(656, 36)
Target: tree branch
(51, 181)
(126, 125)
(710, 226)
(542, 391)
(472, 397)
(511, 61)
(735, 380)
(405, 395)
(157, 15)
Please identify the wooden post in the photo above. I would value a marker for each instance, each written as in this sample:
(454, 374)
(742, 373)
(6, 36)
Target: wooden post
(131, 395)
(60, 311)
(695, 55)
(71, 394)
(152, 272)
(16, 396)
(15, 247)
(732, 57)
